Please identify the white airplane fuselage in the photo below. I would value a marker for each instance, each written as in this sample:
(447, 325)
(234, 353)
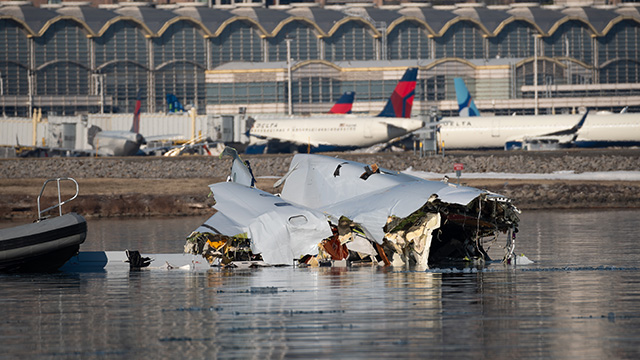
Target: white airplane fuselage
(334, 130)
(495, 131)
(117, 143)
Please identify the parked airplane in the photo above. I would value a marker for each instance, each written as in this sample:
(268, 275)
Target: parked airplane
(344, 104)
(536, 131)
(345, 131)
(118, 143)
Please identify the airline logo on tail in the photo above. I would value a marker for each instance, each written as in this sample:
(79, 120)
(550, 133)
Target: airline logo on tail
(466, 106)
(344, 104)
(400, 103)
(135, 127)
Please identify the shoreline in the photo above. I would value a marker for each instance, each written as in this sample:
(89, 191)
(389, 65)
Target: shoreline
(101, 198)
(155, 186)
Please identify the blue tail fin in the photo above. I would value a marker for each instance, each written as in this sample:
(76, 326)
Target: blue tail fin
(401, 100)
(344, 104)
(174, 104)
(466, 106)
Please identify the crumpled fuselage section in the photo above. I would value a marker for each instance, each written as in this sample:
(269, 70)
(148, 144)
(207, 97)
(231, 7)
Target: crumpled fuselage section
(333, 210)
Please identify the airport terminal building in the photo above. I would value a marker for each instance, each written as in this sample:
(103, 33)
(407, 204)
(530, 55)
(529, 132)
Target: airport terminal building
(73, 58)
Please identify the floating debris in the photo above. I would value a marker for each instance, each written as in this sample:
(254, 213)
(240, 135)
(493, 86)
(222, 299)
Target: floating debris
(333, 211)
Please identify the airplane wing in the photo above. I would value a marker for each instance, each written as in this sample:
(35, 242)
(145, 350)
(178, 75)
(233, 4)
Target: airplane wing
(199, 145)
(572, 131)
(167, 137)
(295, 141)
(557, 138)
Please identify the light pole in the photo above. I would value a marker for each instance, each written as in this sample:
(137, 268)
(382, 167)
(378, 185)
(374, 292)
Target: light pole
(290, 107)
(535, 73)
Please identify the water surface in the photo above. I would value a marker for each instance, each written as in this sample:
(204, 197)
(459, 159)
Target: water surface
(580, 299)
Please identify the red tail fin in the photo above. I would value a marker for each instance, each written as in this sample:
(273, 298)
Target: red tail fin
(135, 127)
(400, 103)
(344, 104)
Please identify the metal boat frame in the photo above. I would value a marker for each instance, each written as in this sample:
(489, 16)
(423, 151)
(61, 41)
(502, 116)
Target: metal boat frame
(46, 244)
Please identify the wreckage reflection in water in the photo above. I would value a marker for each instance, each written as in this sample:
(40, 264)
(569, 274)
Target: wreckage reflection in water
(580, 299)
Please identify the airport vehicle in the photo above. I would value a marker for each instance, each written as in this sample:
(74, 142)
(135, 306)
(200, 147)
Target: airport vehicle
(535, 132)
(46, 244)
(332, 209)
(344, 131)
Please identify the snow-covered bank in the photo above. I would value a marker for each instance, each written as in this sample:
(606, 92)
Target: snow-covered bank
(558, 175)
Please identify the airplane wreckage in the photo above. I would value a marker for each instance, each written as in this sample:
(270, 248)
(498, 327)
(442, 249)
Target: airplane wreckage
(332, 211)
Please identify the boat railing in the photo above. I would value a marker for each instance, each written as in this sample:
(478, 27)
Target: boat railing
(60, 202)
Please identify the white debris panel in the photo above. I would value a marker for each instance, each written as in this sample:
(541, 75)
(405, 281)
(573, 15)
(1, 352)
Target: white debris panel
(279, 230)
(333, 209)
(337, 187)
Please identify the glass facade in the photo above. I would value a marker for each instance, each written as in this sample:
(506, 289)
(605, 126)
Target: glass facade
(181, 41)
(550, 73)
(463, 40)
(180, 59)
(571, 40)
(239, 41)
(621, 42)
(314, 89)
(63, 78)
(304, 43)
(185, 80)
(246, 93)
(66, 59)
(619, 72)
(619, 53)
(14, 58)
(123, 41)
(515, 40)
(123, 81)
(409, 40)
(352, 41)
(65, 41)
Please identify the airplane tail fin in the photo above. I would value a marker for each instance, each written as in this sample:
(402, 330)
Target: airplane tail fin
(466, 105)
(135, 127)
(401, 100)
(174, 104)
(344, 104)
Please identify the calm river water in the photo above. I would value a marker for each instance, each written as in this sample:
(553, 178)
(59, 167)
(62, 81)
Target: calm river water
(580, 299)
